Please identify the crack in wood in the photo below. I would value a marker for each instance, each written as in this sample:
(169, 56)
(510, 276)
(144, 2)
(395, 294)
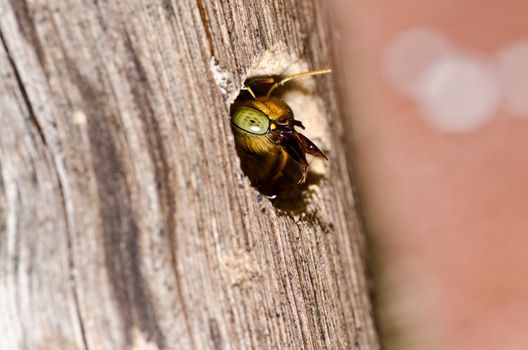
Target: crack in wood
(206, 26)
(38, 127)
(23, 92)
(27, 25)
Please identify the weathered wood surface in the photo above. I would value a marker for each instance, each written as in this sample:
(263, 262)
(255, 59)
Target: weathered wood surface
(125, 220)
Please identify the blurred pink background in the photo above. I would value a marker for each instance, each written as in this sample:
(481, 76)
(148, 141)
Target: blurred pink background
(436, 95)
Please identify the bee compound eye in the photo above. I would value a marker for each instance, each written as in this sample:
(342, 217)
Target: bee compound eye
(251, 120)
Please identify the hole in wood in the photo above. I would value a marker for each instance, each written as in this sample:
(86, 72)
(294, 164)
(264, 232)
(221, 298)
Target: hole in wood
(272, 125)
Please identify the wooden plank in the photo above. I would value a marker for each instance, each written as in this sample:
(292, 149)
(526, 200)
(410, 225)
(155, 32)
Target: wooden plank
(126, 221)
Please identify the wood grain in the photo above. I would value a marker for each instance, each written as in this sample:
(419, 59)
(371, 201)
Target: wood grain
(125, 220)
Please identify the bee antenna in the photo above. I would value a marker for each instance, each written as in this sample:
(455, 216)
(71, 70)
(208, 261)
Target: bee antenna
(248, 89)
(295, 76)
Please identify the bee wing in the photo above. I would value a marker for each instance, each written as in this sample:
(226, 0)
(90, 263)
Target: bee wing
(295, 150)
(296, 146)
(308, 146)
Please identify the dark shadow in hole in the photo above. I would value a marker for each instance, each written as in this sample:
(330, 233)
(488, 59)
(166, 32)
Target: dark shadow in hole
(285, 193)
(291, 197)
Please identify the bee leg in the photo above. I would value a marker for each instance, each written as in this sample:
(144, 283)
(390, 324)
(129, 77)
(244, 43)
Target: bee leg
(268, 186)
(304, 167)
(283, 158)
(298, 123)
(260, 80)
(293, 145)
(256, 83)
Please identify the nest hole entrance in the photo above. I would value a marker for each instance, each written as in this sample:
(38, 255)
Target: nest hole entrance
(281, 184)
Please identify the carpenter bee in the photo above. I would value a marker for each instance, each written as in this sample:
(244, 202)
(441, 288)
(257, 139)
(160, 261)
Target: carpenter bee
(265, 135)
